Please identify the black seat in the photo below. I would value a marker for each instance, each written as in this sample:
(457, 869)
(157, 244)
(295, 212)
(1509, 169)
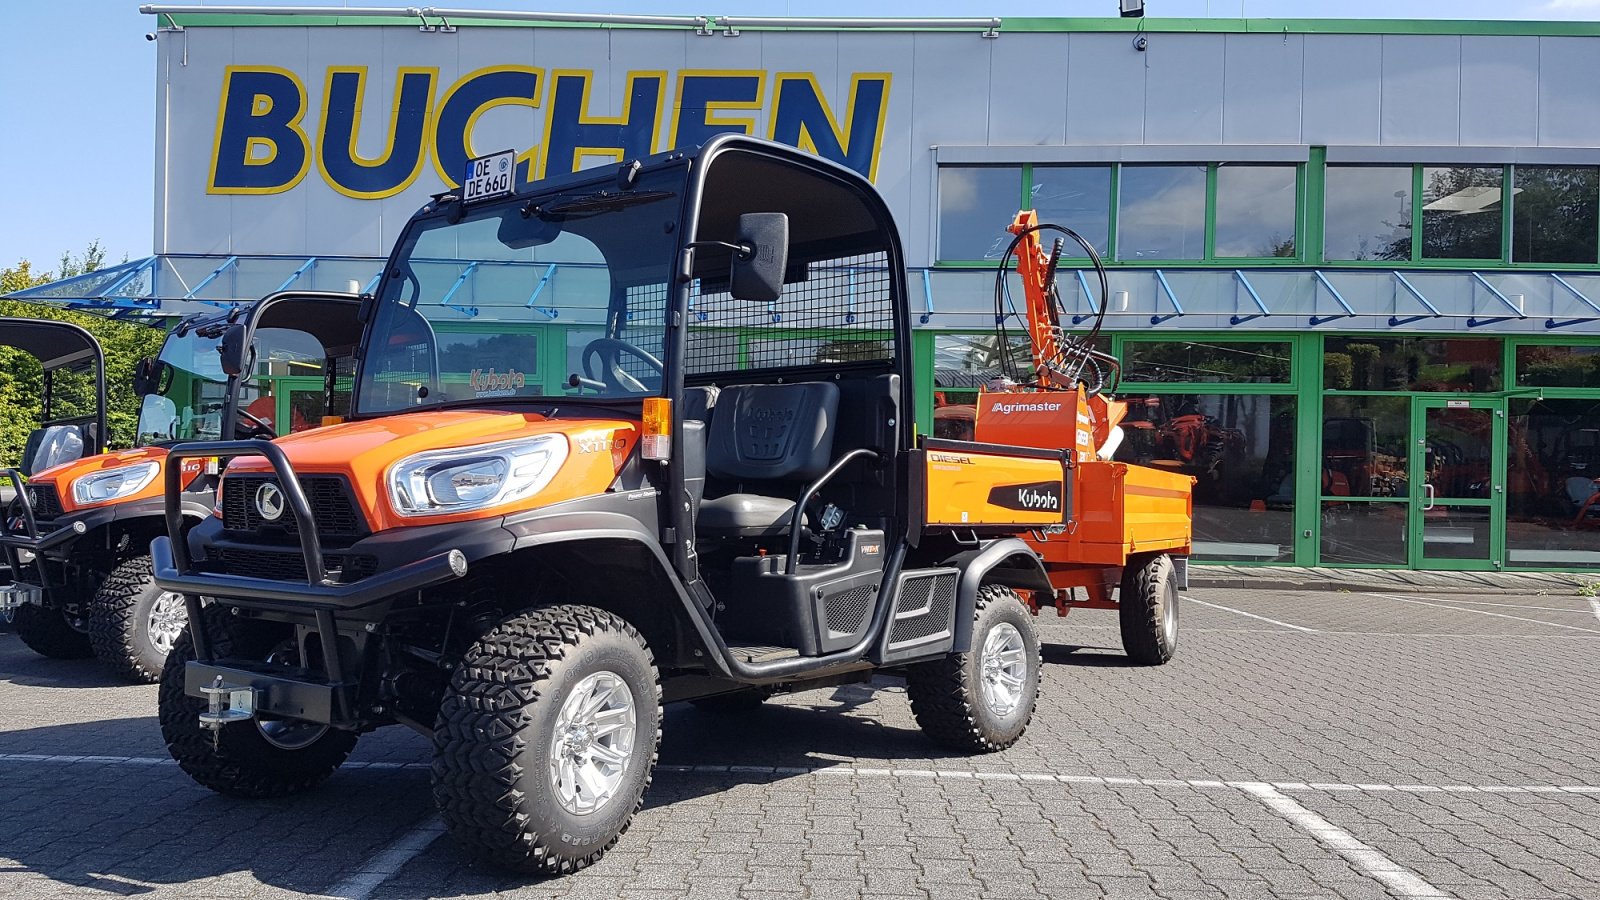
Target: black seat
(766, 439)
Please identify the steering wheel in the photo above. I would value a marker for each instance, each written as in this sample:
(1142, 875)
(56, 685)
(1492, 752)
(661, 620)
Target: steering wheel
(258, 427)
(609, 352)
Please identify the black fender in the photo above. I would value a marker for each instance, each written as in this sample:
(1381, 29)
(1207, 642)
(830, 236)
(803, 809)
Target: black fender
(547, 529)
(1007, 561)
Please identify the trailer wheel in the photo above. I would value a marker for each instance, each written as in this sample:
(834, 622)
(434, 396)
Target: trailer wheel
(981, 701)
(46, 631)
(546, 739)
(1148, 609)
(258, 759)
(133, 624)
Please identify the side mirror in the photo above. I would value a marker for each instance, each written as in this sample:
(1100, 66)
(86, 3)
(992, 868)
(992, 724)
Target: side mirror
(234, 349)
(756, 273)
(146, 376)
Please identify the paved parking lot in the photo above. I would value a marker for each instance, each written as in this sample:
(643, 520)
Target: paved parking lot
(1302, 745)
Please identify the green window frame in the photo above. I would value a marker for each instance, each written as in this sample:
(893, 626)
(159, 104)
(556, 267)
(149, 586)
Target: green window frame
(1305, 230)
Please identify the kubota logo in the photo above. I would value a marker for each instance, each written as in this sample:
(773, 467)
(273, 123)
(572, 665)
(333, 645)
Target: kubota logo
(1039, 496)
(1006, 409)
(269, 501)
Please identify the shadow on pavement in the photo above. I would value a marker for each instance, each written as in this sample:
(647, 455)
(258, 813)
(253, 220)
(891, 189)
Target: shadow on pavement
(21, 666)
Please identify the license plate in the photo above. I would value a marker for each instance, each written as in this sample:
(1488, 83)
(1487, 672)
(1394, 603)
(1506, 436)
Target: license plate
(489, 176)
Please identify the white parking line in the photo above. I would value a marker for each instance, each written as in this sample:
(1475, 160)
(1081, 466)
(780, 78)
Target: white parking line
(1250, 614)
(1594, 607)
(388, 863)
(1565, 609)
(1481, 612)
(1400, 881)
(962, 774)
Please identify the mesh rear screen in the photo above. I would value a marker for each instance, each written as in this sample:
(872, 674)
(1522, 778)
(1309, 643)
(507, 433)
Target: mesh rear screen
(841, 312)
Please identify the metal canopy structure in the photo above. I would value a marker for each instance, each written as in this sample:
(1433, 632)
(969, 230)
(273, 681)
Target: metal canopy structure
(1266, 298)
(176, 285)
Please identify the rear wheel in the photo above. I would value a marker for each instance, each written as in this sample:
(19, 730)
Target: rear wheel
(46, 631)
(133, 624)
(256, 759)
(982, 701)
(1148, 609)
(546, 739)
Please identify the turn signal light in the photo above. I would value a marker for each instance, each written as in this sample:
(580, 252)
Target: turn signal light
(656, 442)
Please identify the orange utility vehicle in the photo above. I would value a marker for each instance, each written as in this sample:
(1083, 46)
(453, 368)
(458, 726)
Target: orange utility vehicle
(715, 494)
(1131, 526)
(77, 537)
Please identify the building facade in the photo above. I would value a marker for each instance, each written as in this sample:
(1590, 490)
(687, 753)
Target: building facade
(1354, 266)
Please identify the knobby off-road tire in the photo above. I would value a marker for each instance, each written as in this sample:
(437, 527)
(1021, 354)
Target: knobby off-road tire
(982, 701)
(254, 759)
(516, 725)
(1148, 609)
(133, 624)
(46, 631)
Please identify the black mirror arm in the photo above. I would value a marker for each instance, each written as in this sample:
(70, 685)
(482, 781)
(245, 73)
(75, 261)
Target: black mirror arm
(745, 249)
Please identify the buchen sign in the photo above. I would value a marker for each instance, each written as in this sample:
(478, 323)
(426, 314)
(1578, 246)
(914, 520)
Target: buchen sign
(263, 145)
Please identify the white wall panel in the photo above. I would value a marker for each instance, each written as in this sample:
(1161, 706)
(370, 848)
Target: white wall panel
(1499, 91)
(1028, 89)
(1105, 90)
(1569, 92)
(1421, 89)
(1183, 89)
(1261, 88)
(1343, 89)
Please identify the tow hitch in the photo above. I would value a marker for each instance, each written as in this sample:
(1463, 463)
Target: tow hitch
(15, 596)
(226, 704)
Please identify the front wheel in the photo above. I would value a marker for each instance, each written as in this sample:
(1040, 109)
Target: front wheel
(46, 631)
(982, 701)
(257, 759)
(546, 739)
(1148, 609)
(133, 624)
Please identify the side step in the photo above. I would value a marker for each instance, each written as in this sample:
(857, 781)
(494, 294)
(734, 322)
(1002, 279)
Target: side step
(756, 654)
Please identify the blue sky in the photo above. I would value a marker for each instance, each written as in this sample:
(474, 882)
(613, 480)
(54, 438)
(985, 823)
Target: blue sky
(77, 91)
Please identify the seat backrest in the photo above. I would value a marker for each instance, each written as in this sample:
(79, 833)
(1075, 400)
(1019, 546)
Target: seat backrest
(699, 401)
(773, 431)
(54, 445)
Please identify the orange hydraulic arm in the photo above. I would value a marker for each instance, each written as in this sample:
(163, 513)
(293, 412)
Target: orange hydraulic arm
(1037, 269)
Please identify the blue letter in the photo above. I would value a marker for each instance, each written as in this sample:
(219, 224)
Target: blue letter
(347, 171)
(259, 148)
(701, 95)
(570, 133)
(471, 97)
(801, 117)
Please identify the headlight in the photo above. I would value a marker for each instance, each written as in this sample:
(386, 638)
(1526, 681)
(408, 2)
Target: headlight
(114, 484)
(471, 478)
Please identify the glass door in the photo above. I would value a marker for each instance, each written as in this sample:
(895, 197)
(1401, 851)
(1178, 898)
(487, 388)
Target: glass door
(1458, 488)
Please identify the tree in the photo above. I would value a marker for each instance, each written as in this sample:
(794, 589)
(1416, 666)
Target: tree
(21, 379)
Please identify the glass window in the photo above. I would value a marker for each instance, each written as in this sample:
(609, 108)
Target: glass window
(1553, 483)
(1255, 211)
(1162, 213)
(1223, 362)
(976, 203)
(1553, 216)
(963, 363)
(1367, 534)
(1078, 197)
(1364, 444)
(1411, 364)
(1558, 365)
(1367, 213)
(1240, 449)
(1461, 212)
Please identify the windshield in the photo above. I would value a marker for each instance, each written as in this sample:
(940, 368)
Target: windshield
(286, 385)
(482, 308)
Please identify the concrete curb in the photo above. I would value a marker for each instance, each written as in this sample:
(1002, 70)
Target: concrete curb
(1388, 581)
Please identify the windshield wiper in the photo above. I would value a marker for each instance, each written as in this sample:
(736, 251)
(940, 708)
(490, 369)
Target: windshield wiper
(597, 202)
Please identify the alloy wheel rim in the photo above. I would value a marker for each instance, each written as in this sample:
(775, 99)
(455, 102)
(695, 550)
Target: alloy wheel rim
(591, 746)
(1003, 669)
(166, 620)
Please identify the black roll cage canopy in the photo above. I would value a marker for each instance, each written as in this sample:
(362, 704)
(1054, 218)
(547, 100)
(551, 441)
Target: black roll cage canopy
(61, 346)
